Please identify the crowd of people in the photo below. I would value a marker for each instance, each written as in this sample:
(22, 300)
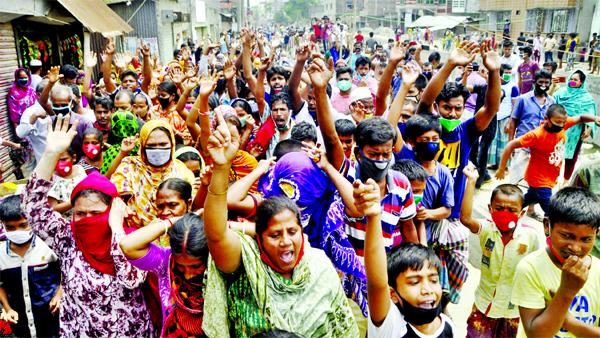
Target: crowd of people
(261, 185)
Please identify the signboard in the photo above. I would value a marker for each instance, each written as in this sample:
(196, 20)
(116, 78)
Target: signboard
(408, 17)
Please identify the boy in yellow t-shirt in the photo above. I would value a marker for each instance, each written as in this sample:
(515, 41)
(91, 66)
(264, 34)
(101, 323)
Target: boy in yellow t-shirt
(557, 289)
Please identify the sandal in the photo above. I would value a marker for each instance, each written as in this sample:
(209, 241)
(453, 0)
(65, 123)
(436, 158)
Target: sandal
(537, 216)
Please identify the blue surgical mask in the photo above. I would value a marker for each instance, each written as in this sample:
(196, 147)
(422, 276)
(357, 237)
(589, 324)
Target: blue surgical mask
(23, 82)
(62, 110)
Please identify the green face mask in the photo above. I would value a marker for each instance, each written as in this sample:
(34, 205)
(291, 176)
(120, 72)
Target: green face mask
(243, 121)
(344, 85)
(418, 199)
(449, 125)
(506, 77)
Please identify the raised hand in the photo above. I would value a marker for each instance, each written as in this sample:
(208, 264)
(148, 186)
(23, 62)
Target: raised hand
(152, 92)
(491, 58)
(397, 53)
(265, 63)
(103, 56)
(206, 175)
(250, 122)
(61, 136)
(119, 211)
(275, 42)
(471, 172)
(264, 165)
(191, 73)
(208, 84)
(302, 53)
(119, 61)
(409, 74)
(176, 75)
(53, 74)
(229, 70)
(144, 48)
(127, 57)
(190, 84)
(246, 38)
(317, 155)
(256, 150)
(320, 73)
(90, 60)
(464, 54)
(358, 111)
(128, 144)
(224, 143)
(366, 197)
(235, 44)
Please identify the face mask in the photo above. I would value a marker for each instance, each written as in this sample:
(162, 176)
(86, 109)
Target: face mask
(506, 77)
(554, 128)
(377, 170)
(417, 315)
(344, 85)
(164, 102)
(188, 106)
(91, 150)
(560, 259)
(449, 125)
(427, 75)
(158, 156)
(243, 121)
(62, 110)
(221, 83)
(427, 150)
(541, 89)
(64, 167)
(505, 220)
(418, 199)
(23, 82)
(19, 237)
(572, 83)
(402, 127)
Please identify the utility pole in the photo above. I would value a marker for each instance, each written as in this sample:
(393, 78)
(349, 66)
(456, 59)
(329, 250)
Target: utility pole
(354, 18)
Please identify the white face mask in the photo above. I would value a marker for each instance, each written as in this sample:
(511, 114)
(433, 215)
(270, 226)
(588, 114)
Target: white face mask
(158, 156)
(19, 236)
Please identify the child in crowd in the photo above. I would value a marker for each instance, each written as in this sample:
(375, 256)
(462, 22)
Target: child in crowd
(66, 177)
(547, 146)
(505, 242)
(345, 130)
(30, 290)
(190, 156)
(405, 299)
(556, 289)
(93, 144)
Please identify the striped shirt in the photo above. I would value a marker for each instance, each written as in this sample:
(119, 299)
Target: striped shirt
(397, 206)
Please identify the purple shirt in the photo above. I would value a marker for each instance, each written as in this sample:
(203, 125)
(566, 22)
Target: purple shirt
(527, 71)
(472, 80)
(157, 261)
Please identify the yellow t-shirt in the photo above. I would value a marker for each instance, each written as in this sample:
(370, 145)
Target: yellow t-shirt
(536, 274)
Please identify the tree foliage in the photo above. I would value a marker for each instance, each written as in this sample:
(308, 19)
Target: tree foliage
(298, 9)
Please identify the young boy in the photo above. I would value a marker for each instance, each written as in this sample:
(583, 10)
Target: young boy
(405, 297)
(345, 130)
(547, 146)
(504, 241)
(30, 276)
(362, 78)
(556, 289)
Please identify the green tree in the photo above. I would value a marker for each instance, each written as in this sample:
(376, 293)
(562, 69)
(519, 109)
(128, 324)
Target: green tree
(298, 9)
(281, 18)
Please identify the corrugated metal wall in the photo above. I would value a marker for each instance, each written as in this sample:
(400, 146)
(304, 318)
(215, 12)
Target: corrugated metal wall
(8, 65)
(144, 22)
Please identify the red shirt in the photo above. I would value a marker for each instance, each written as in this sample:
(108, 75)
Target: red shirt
(359, 38)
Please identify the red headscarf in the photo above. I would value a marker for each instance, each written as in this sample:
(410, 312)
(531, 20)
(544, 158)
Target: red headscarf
(92, 234)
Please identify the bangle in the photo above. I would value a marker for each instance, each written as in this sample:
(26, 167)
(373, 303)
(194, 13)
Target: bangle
(244, 228)
(203, 114)
(165, 223)
(194, 107)
(221, 193)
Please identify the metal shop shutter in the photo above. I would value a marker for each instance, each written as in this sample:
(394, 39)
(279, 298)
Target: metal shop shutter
(8, 65)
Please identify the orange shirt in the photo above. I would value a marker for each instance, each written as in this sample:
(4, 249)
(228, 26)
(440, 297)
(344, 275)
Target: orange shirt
(547, 155)
(172, 116)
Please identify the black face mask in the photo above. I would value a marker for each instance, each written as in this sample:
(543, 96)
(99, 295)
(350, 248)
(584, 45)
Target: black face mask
(541, 89)
(416, 315)
(427, 150)
(554, 128)
(377, 170)
(164, 102)
(428, 75)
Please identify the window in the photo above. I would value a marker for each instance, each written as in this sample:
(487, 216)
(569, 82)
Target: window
(561, 19)
(501, 20)
(535, 20)
(442, 2)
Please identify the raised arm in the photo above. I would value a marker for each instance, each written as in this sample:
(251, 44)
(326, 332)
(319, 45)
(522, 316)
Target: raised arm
(491, 61)
(302, 54)
(466, 209)
(90, 63)
(106, 70)
(586, 118)
(396, 55)
(136, 244)
(188, 86)
(320, 74)
(237, 197)
(127, 146)
(229, 72)
(146, 66)
(200, 110)
(409, 77)
(53, 78)
(224, 245)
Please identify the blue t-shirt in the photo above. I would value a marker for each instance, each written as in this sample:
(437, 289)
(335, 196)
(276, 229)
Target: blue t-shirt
(528, 113)
(439, 192)
(455, 147)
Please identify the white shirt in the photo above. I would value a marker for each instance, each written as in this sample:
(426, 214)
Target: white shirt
(394, 325)
(514, 61)
(36, 133)
(537, 43)
(35, 80)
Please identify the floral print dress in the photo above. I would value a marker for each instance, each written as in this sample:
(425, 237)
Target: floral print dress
(94, 304)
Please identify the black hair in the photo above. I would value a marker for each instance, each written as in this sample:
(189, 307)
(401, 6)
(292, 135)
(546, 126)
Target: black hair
(277, 70)
(508, 190)
(572, 205)
(374, 131)
(504, 66)
(343, 70)
(139, 94)
(34, 69)
(72, 151)
(328, 89)
(378, 45)
(543, 74)
(10, 209)
(244, 105)
(409, 256)
(435, 56)
(235, 121)
(556, 109)
(551, 64)
(573, 35)
(419, 124)
(170, 88)
(189, 229)
(287, 146)
(275, 333)
(304, 131)
(427, 64)
(451, 90)
(96, 132)
(181, 187)
(176, 52)
(371, 34)
(345, 127)
(507, 43)
(580, 73)
(104, 101)
(40, 87)
(74, 89)
(271, 207)
(527, 50)
(363, 61)
(104, 197)
(411, 169)
(129, 72)
(127, 92)
(282, 96)
(69, 71)
(421, 82)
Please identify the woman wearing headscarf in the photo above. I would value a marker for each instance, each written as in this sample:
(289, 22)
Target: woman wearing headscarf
(138, 177)
(124, 125)
(102, 295)
(21, 95)
(167, 109)
(576, 100)
(274, 281)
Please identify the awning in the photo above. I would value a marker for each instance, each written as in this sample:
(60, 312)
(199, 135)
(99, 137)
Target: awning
(227, 15)
(438, 22)
(97, 17)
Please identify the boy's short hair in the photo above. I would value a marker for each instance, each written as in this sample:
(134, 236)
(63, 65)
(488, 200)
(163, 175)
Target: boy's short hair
(373, 132)
(345, 127)
(577, 206)
(527, 50)
(409, 256)
(507, 43)
(10, 209)
(451, 90)
(68, 71)
(543, 74)
(434, 56)
(556, 109)
(504, 67)
(421, 82)
(508, 190)
(282, 96)
(304, 131)
(342, 70)
(419, 124)
(277, 70)
(552, 64)
(363, 61)
(103, 101)
(411, 169)
(287, 146)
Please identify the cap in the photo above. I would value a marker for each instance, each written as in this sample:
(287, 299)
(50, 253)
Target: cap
(341, 62)
(35, 63)
(360, 93)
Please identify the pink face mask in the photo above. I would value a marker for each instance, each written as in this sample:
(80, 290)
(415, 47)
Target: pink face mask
(572, 83)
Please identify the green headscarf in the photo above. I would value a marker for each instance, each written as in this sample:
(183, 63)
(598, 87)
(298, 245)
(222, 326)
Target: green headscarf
(124, 125)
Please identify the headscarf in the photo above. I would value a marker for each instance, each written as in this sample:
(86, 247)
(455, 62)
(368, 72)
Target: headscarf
(296, 176)
(577, 101)
(185, 150)
(135, 62)
(124, 124)
(140, 180)
(20, 97)
(92, 234)
(184, 318)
